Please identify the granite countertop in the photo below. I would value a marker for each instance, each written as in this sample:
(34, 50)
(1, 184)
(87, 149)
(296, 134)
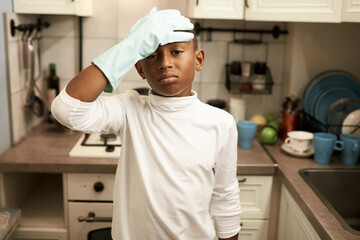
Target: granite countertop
(315, 210)
(47, 150)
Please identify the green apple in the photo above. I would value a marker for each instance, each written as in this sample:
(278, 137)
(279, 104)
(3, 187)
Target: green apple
(274, 123)
(268, 135)
(269, 116)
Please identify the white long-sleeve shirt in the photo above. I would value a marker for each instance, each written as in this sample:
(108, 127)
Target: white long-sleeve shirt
(177, 166)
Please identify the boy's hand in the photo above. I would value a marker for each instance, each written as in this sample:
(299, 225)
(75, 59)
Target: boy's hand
(156, 28)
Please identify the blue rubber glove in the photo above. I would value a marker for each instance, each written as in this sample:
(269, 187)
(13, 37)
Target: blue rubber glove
(156, 28)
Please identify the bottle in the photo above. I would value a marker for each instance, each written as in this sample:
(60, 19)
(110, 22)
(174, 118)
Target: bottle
(52, 90)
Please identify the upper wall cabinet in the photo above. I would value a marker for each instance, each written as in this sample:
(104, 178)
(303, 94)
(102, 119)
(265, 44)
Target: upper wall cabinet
(351, 11)
(60, 7)
(216, 9)
(294, 10)
(269, 10)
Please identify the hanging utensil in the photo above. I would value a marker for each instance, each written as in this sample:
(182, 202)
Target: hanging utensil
(33, 102)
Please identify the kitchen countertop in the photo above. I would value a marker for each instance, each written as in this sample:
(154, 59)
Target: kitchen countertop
(46, 150)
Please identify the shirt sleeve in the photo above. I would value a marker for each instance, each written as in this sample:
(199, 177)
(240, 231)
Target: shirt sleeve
(105, 114)
(225, 204)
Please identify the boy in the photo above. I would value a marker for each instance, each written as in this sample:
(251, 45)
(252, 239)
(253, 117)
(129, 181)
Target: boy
(178, 160)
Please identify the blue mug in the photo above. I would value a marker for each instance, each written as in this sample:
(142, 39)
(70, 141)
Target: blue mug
(351, 151)
(246, 133)
(324, 145)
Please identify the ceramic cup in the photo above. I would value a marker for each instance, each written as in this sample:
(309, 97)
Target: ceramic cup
(324, 145)
(246, 133)
(351, 151)
(299, 141)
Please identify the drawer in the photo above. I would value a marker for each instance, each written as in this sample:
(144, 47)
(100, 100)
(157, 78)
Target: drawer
(79, 230)
(254, 229)
(89, 186)
(255, 196)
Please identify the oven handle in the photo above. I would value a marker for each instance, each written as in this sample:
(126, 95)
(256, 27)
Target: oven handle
(91, 218)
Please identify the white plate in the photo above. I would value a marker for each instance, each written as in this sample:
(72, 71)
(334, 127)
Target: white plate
(292, 152)
(352, 119)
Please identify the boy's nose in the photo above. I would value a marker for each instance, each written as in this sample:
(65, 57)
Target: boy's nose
(165, 61)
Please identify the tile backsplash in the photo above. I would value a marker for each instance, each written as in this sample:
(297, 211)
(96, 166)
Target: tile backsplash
(108, 26)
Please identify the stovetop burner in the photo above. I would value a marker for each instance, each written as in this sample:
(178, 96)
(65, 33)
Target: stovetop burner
(104, 141)
(97, 145)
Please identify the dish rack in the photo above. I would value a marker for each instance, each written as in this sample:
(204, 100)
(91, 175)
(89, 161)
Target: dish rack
(245, 76)
(334, 118)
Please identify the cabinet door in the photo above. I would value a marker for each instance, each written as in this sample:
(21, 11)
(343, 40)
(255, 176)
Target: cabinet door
(294, 10)
(351, 11)
(66, 7)
(254, 230)
(255, 196)
(216, 9)
(293, 224)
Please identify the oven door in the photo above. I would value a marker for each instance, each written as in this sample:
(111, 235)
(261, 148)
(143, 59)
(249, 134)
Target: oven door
(92, 215)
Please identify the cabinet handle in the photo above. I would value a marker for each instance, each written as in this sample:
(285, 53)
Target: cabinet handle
(241, 224)
(242, 180)
(246, 4)
(197, 3)
(91, 218)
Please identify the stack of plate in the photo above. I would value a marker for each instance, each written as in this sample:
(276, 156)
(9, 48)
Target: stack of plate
(330, 97)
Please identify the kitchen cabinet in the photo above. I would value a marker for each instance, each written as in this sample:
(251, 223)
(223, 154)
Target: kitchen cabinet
(40, 198)
(268, 10)
(294, 10)
(256, 202)
(60, 7)
(216, 9)
(351, 11)
(293, 224)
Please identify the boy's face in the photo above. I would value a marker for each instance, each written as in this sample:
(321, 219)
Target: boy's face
(171, 68)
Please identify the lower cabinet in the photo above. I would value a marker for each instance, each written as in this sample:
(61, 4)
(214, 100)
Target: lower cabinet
(293, 224)
(256, 197)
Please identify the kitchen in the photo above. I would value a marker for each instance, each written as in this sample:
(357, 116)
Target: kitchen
(309, 48)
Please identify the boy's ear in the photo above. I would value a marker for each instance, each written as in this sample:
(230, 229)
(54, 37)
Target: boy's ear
(139, 69)
(199, 59)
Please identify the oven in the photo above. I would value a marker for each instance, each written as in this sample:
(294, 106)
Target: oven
(89, 200)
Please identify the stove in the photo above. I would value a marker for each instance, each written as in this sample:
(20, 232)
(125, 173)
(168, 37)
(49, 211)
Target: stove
(97, 145)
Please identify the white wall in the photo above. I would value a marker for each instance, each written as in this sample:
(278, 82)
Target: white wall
(5, 6)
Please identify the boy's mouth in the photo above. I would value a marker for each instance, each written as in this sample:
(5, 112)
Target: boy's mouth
(168, 79)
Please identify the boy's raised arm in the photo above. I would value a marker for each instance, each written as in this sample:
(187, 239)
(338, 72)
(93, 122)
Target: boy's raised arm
(156, 28)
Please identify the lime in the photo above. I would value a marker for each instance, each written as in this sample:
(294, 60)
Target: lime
(268, 135)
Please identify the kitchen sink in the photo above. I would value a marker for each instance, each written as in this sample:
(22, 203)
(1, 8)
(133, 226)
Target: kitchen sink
(339, 189)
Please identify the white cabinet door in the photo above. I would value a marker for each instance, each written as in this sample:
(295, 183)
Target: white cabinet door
(254, 230)
(255, 196)
(351, 11)
(294, 10)
(216, 9)
(66, 7)
(293, 224)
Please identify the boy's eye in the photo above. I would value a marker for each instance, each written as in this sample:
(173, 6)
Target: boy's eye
(150, 56)
(177, 52)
